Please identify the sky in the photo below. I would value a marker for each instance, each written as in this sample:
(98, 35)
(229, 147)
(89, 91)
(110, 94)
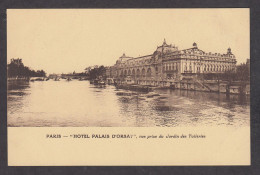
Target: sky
(67, 40)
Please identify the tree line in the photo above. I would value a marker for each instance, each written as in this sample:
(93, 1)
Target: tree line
(19, 70)
(97, 72)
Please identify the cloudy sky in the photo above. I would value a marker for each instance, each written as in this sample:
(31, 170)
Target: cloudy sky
(61, 41)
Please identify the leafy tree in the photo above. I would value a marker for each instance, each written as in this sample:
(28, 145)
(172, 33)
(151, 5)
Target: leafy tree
(243, 72)
(97, 72)
(19, 70)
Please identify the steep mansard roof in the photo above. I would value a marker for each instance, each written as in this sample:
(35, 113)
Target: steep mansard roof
(199, 51)
(193, 50)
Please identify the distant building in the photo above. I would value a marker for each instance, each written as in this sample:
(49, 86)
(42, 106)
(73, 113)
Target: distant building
(168, 64)
(109, 72)
(54, 75)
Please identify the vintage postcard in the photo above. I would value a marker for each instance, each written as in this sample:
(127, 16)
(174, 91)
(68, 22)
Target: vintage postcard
(106, 87)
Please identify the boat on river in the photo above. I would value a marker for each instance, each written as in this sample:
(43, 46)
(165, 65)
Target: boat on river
(37, 79)
(99, 82)
(110, 81)
(134, 87)
(83, 78)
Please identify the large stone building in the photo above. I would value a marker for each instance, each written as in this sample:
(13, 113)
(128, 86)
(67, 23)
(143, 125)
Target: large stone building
(168, 64)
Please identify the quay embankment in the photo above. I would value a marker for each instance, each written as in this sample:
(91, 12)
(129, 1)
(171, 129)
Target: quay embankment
(234, 87)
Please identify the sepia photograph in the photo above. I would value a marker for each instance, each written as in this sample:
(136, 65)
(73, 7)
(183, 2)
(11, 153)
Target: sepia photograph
(157, 87)
(128, 68)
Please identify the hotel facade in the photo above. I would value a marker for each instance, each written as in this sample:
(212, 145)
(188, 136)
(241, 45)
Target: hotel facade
(169, 65)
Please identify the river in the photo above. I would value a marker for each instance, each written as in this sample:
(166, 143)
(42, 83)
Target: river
(81, 104)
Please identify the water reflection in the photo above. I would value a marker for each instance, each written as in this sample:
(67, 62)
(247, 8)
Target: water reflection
(78, 103)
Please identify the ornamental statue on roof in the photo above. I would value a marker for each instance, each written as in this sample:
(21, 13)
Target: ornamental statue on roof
(165, 48)
(164, 42)
(229, 51)
(124, 58)
(195, 45)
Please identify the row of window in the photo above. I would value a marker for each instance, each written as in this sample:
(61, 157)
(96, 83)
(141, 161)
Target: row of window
(170, 66)
(138, 72)
(203, 57)
(210, 68)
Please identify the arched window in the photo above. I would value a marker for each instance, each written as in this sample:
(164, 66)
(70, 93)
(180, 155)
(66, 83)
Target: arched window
(138, 73)
(198, 69)
(149, 72)
(143, 72)
(133, 73)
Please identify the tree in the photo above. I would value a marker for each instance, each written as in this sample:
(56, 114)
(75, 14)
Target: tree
(243, 72)
(97, 72)
(19, 70)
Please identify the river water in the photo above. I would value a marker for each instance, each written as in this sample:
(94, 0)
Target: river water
(79, 103)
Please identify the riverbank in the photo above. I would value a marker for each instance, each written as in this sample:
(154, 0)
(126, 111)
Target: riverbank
(18, 78)
(234, 87)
